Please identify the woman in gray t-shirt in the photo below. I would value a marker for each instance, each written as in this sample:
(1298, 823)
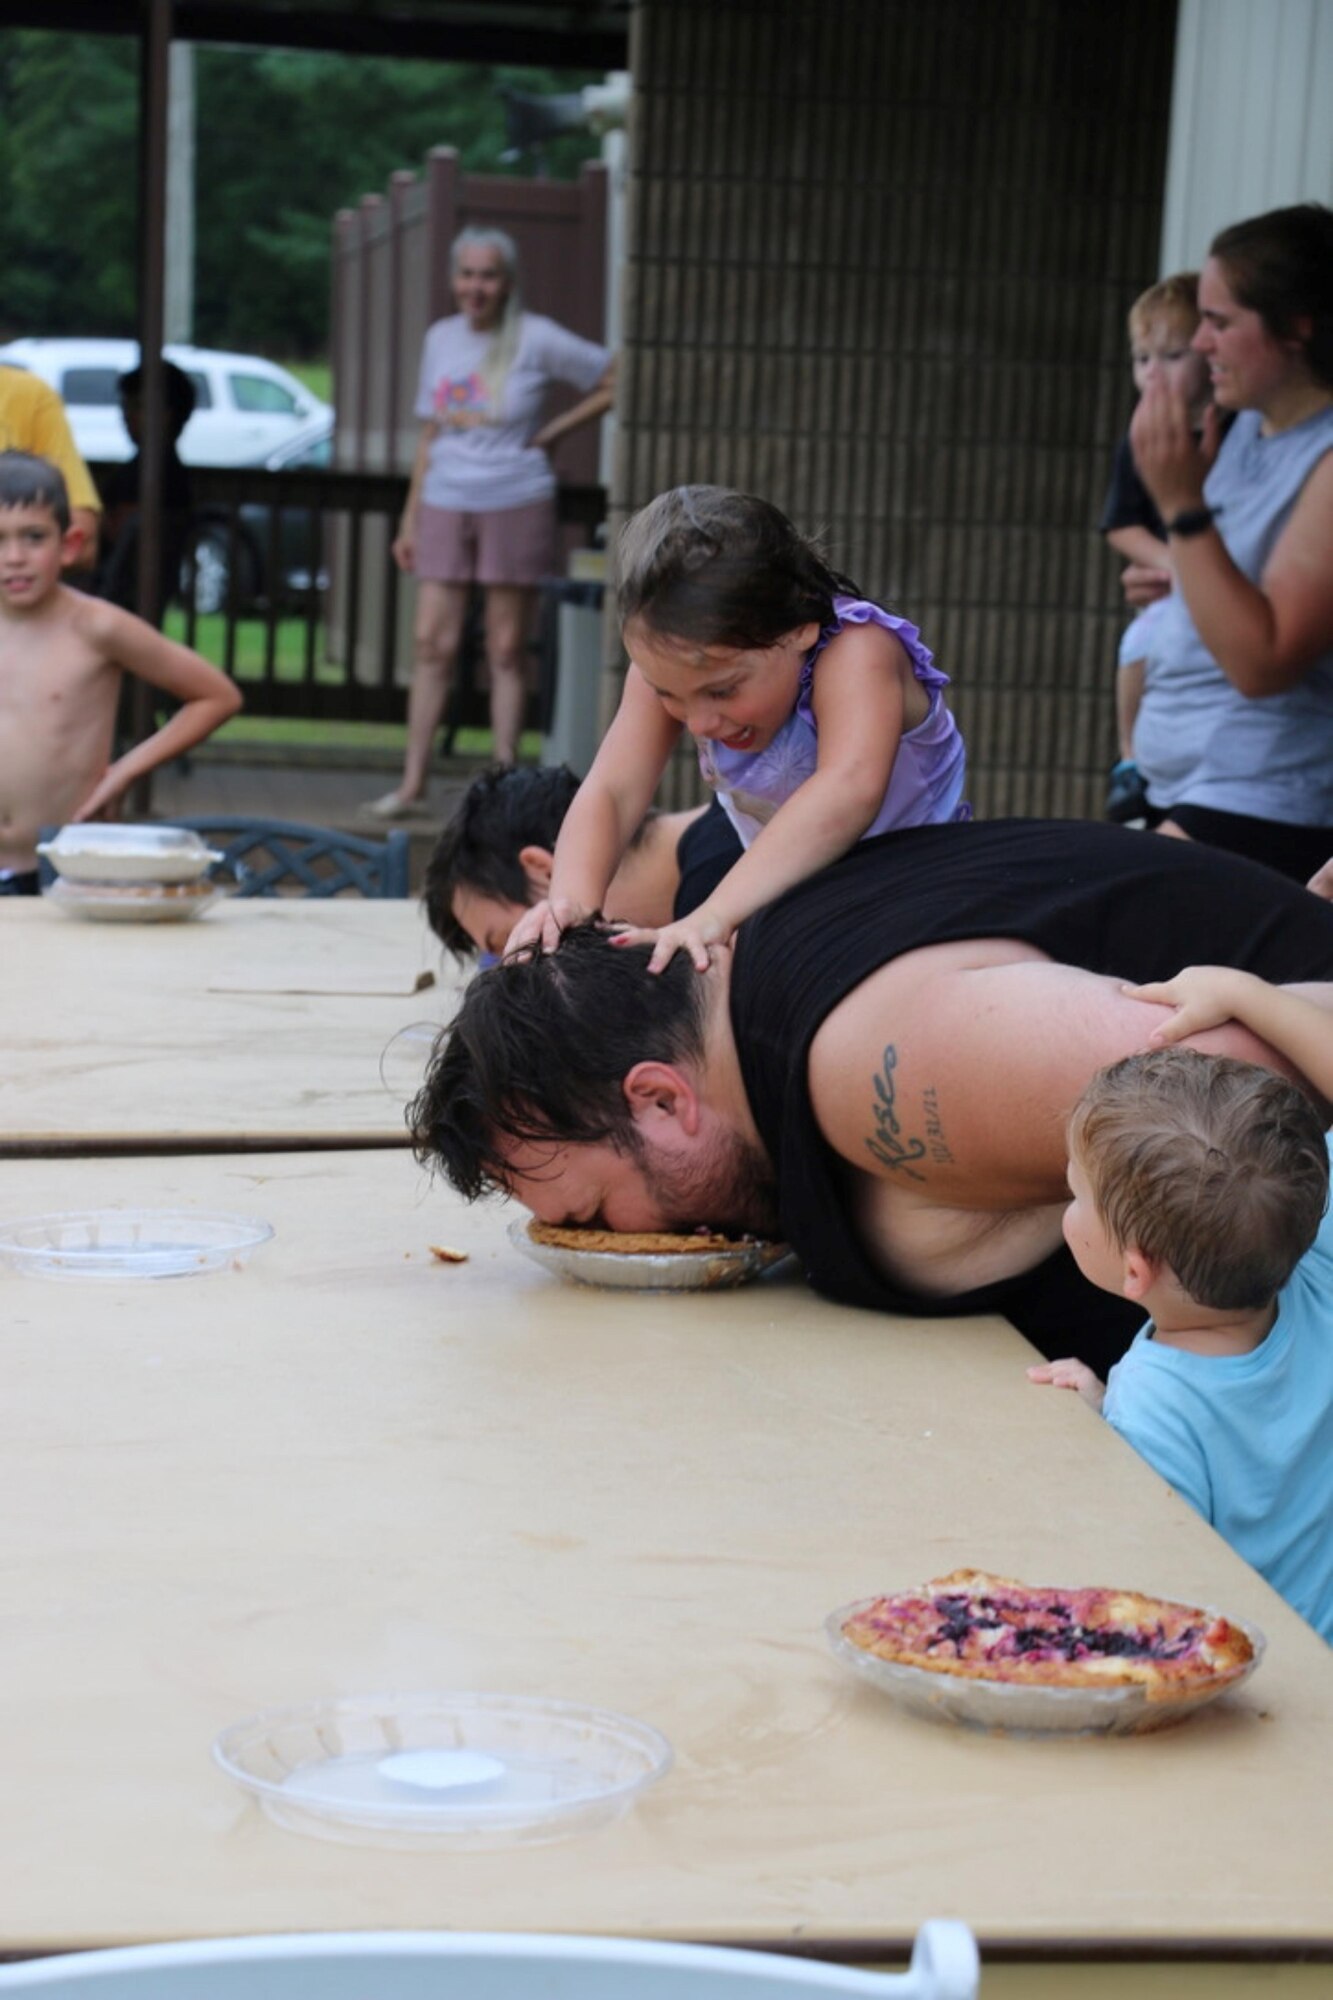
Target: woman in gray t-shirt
(1235, 733)
(480, 508)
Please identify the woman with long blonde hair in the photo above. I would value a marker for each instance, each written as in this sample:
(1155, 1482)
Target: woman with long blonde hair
(480, 508)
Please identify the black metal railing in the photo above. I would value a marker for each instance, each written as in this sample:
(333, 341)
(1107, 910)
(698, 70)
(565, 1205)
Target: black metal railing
(287, 584)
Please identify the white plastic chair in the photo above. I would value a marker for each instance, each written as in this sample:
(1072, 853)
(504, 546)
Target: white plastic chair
(433, 1965)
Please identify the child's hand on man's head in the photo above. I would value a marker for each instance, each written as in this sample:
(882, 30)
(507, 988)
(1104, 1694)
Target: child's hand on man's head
(1070, 1374)
(541, 927)
(698, 934)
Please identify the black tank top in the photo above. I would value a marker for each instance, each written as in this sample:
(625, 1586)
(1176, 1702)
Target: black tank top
(708, 849)
(1110, 899)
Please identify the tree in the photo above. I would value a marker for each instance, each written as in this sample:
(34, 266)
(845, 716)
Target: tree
(283, 140)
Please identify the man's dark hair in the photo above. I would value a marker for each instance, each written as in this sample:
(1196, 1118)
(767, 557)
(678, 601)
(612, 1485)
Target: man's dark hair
(539, 1051)
(177, 393)
(502, 812)
(27, 481)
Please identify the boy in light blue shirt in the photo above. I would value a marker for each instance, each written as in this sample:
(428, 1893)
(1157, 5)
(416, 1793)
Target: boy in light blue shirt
(1200, 1190)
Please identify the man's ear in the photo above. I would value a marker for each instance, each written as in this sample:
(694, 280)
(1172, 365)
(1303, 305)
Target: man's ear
(536, 863)
(659, 1093)
(72, 544)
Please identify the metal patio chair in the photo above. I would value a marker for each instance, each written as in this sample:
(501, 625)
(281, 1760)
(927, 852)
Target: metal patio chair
(271, 857)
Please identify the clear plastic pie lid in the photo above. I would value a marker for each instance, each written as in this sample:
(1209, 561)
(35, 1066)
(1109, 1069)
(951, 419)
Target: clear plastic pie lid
(652, 1271)
(442, 1769)
(101, 852)
(1033, 1709)
(130, 1243)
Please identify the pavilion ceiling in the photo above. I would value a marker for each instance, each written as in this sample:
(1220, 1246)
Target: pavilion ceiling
(581, 34)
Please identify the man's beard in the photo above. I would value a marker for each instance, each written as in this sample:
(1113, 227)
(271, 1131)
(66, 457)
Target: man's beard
(730, 1189)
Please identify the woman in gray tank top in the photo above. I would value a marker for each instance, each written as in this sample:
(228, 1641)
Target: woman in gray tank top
(1235, 733)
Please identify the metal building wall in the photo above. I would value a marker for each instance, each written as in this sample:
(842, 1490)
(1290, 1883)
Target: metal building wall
(880, 253)
(1251, 126)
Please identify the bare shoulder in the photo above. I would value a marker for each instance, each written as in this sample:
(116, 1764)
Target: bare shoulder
(951, 1072)
(99, 624)
(893, 1064)
(64, 641)
(870, 645)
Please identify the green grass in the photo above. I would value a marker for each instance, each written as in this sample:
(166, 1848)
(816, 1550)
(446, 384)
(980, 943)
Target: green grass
(297, 733)
(289, 665)
(317, 376)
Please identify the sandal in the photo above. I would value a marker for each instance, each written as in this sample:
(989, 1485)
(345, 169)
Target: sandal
(392, 807)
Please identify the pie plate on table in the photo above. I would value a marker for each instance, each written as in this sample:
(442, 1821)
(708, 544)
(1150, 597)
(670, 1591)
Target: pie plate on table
(442, 1769)
(120, 1243)
(655, 1262)
(133, 902)
(996, 1654)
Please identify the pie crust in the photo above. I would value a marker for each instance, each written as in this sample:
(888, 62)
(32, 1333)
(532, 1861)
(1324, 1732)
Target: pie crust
(630, 1243)
(992, 1628)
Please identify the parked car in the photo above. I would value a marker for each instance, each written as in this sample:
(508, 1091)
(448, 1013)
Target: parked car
(244, 406)
(207, 572)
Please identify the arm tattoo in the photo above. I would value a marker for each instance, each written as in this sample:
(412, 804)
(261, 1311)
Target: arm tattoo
(888, 1145)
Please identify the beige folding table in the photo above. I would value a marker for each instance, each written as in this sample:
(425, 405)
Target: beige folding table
(264, 1022)
(349, 1467)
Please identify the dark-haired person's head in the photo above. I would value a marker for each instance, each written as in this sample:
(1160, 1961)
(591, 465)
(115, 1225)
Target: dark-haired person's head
(178, 396)
(539, 1052)
(493, 860)
(1280, 265)
(28, 481)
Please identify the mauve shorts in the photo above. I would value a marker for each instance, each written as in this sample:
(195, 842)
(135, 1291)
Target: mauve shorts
(513, 545)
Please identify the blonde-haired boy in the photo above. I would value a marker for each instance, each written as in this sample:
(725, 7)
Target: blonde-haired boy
(1198, 1186)
(1162, 323)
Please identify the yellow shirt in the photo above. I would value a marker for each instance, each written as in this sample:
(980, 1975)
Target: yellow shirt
(32, 418)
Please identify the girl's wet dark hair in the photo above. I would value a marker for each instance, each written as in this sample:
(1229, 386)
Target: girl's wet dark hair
(27, 481)
(719, 568)
(539, 1051)
(1280, 265)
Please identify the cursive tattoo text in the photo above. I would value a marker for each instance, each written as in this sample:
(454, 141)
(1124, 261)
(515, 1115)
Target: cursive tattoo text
(888, 1145)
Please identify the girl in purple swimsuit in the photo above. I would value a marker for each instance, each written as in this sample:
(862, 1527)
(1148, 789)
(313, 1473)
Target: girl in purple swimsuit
(820, 718)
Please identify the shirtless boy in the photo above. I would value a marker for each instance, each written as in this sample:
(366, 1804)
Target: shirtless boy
(61, 659)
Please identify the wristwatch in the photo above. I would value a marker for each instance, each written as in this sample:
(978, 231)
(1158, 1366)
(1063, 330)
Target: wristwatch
(1192, 521)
